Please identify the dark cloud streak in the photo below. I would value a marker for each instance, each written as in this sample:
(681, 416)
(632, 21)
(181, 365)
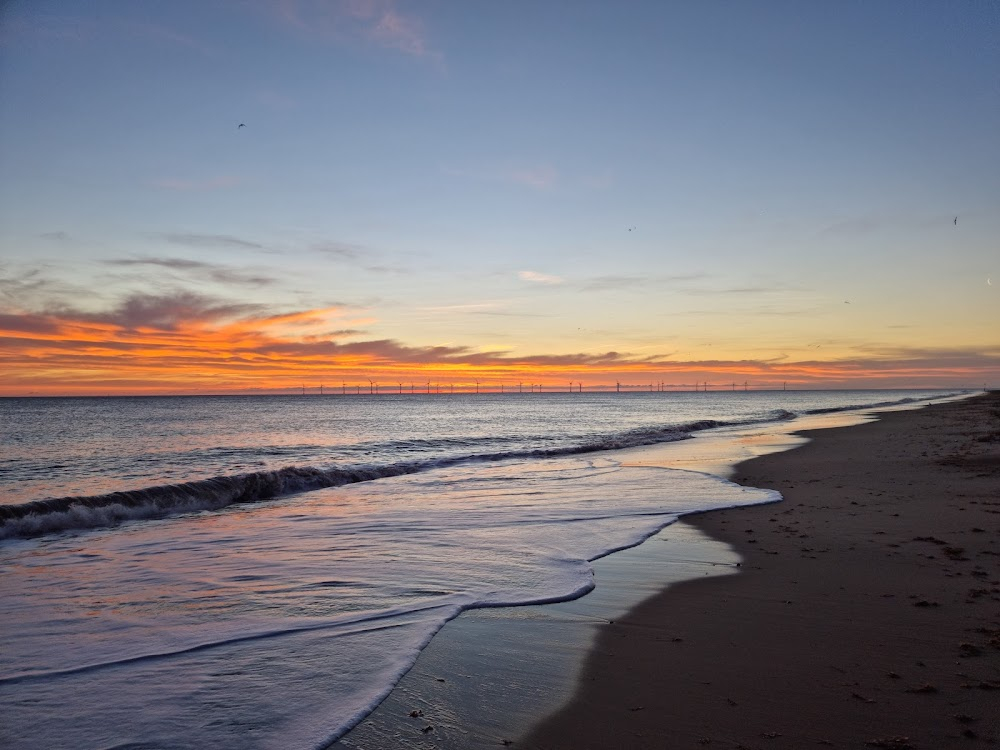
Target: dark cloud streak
(164, 312)
(212, 271)
(190, 239)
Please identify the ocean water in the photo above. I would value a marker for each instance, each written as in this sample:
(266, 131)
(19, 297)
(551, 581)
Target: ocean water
(259, 572)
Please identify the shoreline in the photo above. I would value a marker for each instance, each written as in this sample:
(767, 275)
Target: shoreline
(491, 674)
(866, 612)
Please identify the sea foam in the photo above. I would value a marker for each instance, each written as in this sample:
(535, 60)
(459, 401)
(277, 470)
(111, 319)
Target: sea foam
(283, 624)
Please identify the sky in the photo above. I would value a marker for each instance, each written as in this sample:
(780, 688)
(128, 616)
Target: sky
(252, 196)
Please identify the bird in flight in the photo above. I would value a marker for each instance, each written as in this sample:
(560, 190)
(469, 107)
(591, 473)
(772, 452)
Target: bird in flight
(956, 221)
(241, 125)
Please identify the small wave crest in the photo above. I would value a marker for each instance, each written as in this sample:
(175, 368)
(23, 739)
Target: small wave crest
(856, 407)
(782, 415)
(63, 513)
(53, 515)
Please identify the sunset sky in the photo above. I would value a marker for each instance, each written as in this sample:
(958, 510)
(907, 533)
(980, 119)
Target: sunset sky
(536, 192)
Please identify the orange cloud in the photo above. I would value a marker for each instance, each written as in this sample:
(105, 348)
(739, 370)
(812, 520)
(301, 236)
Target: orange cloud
(187, 343)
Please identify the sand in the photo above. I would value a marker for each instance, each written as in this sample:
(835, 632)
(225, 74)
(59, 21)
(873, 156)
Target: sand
(866, 613)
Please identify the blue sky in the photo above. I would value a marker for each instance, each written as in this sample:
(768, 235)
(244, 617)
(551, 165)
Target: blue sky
(693, 182)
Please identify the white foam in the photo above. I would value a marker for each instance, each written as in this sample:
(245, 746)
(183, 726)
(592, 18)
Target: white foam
(282, 625)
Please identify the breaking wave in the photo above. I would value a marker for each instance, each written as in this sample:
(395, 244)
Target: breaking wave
(65, 513)
(54, 515)
(855, 407)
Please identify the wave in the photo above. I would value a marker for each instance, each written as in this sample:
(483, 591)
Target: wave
(882, 404)
(40, 517)
(855, 407)
(52, 515)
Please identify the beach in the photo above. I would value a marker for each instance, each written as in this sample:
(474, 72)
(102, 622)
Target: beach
(474, 597)
(866, 611)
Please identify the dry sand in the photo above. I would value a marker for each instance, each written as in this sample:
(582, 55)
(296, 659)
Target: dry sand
(866, 613)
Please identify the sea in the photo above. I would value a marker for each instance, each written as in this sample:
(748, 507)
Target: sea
(260, 571)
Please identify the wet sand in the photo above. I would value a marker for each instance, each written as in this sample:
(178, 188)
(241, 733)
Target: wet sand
(866, 613)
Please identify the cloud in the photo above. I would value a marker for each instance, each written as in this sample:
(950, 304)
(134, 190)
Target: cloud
(400, 32)
(209, 240)
(916, 354)
(541, 177)
(539, 278)
(345, 250)
(358, 255)
(377, 21)
(166, 312)
(743, 290)
(18, 287)
(189, 342)
(197, 268)
(186, 339)
(384, 269)
(613, 282)
(27, 323)
(210, 183)
(472, 307)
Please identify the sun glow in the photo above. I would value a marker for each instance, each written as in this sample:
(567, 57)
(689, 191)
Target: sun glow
(201, 350)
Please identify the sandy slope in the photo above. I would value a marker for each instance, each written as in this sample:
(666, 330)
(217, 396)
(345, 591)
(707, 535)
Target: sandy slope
(866, 614)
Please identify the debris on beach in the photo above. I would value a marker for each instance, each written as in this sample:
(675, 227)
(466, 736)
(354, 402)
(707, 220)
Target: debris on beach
(982, 685)
(969, 649)
(891, 743)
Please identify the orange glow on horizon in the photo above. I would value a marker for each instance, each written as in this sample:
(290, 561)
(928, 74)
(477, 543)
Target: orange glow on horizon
(67, 355)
